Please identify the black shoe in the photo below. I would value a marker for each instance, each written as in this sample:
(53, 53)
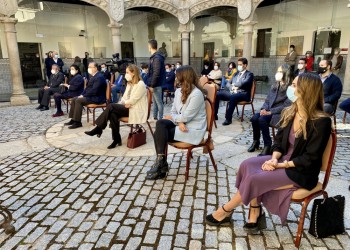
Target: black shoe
(259, 224)
(75, 125)
(255, 145)
(227, 122)
(159, 170)
(216, 118)
(44, 108)
(71, 122)
(39, 107)
(113, 145)
(266, 151)
(210, 220)
(96, 131)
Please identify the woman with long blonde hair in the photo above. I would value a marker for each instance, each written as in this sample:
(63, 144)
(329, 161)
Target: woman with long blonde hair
(295, 162)
(133, 105)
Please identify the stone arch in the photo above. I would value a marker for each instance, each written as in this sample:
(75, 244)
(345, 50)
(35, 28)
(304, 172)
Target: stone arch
(208, 4)
(162, 5)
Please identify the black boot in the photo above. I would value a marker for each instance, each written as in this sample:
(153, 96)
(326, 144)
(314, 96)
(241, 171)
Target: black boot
(255, 145)
(114, 144)
(96, 131)
(266, 151)
(159, 169)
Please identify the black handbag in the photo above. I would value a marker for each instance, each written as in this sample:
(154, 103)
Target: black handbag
(327, 217)
(137, 137)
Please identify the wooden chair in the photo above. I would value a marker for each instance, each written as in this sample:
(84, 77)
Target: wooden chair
(167, 95)
(206, 142)
(243, 103)
(149, 104)
(69, 100)
(211, 91)
(304, 196)
(93, 107)
(333, 115)
(273, 129)
(344, 117)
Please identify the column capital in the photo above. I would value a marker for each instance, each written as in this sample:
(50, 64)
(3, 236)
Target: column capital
(248, 26)
(5, 19)
(184, 28)
(115, 25)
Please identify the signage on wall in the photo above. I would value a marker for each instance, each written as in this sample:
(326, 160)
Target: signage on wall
(327, 50)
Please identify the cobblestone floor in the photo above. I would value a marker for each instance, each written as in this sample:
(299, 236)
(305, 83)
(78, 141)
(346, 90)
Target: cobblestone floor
(65, 200)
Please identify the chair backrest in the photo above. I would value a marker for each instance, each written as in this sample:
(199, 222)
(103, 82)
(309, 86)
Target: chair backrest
(203, 80)
(211, 92)
(327, 158)
(252, 92)
(112, 78)
(108, 92)
(149, 100)
(209, 109)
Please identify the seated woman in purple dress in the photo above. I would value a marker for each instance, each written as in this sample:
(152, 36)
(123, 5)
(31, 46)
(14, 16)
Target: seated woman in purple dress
(295, 162)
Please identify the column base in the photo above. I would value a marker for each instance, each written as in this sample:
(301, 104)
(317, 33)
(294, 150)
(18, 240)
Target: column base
(19, 100)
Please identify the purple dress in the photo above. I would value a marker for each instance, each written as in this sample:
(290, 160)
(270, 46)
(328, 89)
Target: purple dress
(253, 182)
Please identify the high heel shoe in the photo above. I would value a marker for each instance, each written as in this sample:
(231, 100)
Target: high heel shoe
(210, 220)
(114, 144)
(259, 224)
(255, 145)
(96, 131)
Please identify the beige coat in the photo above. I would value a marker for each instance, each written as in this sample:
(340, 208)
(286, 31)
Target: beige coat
(138, 100)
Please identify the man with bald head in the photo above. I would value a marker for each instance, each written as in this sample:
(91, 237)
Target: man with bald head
(332, 86)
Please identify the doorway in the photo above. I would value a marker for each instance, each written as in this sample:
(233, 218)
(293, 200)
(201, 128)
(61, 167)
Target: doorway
(127, 50)
(30, 59)
(263, 45)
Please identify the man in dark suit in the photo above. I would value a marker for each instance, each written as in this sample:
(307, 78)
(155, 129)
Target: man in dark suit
(57, 60)
(242, 83)
(105, 72)
(332, 86)
(301, 67)
(95, 92)
(44, 94)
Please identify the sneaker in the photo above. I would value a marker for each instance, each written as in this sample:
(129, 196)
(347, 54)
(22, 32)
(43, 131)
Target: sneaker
(58, 114)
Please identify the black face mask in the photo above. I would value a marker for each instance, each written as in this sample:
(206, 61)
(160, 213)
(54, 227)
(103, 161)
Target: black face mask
(321, 70)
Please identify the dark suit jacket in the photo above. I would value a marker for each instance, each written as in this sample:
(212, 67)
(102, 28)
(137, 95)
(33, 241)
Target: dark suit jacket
(60, 63)
(307, 154)
(56, 80)
(156, 70)
(245, 83)
(107, 75)
(95, 90)
(332, 89)
(275, 102)
(76, 86)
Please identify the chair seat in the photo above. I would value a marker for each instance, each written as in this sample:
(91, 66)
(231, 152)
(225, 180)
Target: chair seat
(244, 102)
(124, 119)
(96, 105)
(302, 193)
(183, 145)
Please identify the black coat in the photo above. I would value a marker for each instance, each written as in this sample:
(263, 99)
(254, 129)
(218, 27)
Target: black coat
(56, 80)
(276, 101)
(76, 86)
(95, 90)
(332, 89)
(156, 70)
(307, 154)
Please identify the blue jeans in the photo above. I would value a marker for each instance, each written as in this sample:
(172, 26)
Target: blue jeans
(224, 95)
(224, 83)
(345, 105)
(116, 90)
(261, 122)
(157, 102)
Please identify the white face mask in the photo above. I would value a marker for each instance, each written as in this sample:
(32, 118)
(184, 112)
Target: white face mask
(230, 67)
(90, 71)
(216, 67)
(103, 69)
(53, 71)
(73, 72)
(144, 71)
(177, 66)
(168, 70)
(206, 67)
(300, 66)
(56, 56)
(240, 68)
(279, 76)
(128, 77)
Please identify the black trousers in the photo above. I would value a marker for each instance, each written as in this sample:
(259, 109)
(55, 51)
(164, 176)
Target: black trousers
(58, 100)
(76, 108)
(113, 113)
(165, 132)
(44, 95)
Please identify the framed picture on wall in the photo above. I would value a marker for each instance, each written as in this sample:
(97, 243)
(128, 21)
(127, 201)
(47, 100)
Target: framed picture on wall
(298, 42)
(176, 49)
(65, 49)
(99, 52)
(224, 53)
(282, 46)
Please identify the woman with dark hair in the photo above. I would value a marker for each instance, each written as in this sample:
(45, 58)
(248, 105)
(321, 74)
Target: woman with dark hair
(133, 105)
(74, 87)
(186, 123)
(206, 70)
(295, 163)
(270, 112)
(215, 75)
(227, 78)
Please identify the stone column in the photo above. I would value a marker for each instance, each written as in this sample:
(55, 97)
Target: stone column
(346, 84)
(185, 47)
(248, 35)
(116, 37)
(18, 95)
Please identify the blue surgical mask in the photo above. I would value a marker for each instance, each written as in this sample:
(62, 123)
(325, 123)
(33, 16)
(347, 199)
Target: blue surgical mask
(290, 94)
(239, 68)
